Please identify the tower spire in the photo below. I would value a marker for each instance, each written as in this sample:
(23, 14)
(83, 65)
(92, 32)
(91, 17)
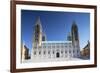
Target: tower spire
(43, 36)
(38, 22)
(69, 37)
(37, 39)
(75, 39)
(74, 30)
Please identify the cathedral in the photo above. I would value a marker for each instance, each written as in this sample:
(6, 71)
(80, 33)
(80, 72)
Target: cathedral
(44, 51)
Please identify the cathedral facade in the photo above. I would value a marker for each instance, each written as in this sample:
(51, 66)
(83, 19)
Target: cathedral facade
(43, 50)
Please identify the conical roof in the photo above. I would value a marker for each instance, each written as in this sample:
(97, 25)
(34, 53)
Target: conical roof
(38, 22)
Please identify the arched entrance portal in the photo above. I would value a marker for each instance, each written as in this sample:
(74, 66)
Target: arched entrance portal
(57, 55)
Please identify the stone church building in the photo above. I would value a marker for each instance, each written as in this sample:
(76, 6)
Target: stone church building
(44, 50)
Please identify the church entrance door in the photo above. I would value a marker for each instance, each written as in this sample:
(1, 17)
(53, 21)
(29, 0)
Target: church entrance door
(57, 55)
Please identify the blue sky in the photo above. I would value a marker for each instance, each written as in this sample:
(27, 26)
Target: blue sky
(56, 25)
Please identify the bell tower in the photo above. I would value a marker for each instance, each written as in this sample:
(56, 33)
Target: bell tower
(75, 39)
(37, 38)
